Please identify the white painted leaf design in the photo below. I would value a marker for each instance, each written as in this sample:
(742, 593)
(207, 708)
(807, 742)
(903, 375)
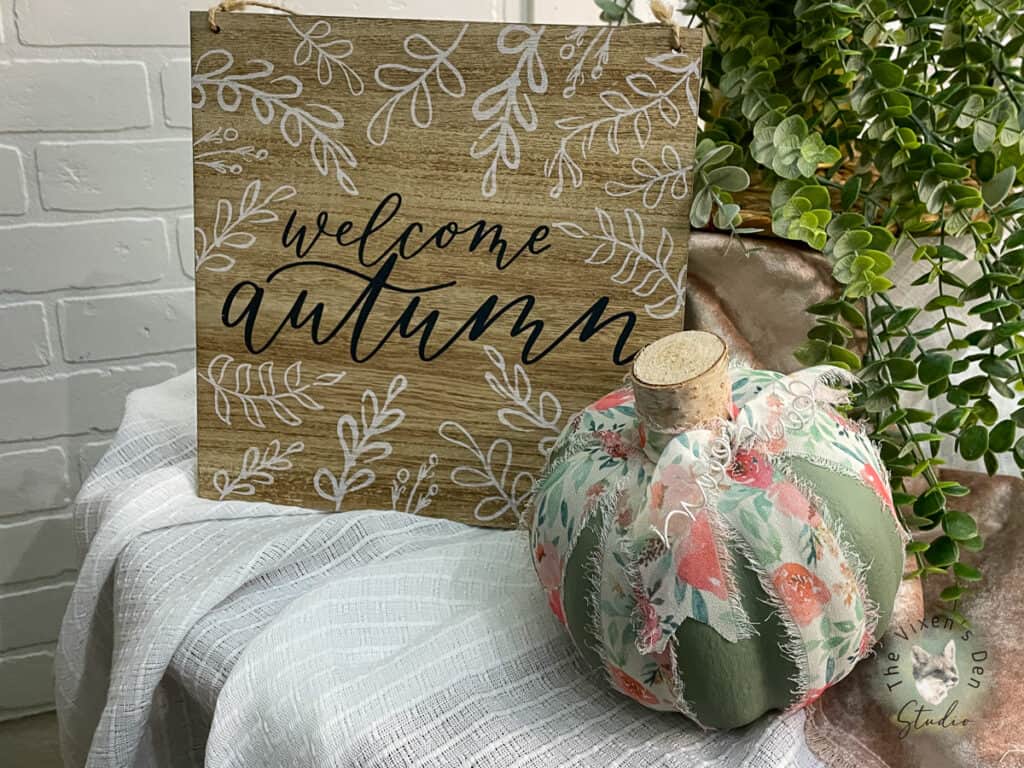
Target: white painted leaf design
(262, 393)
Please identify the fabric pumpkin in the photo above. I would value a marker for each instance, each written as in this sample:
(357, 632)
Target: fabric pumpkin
(735, 568)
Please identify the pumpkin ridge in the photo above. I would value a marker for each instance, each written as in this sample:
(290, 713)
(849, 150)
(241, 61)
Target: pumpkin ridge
(791, 643)
(849, 554)
(593, 569)
(879, 486)
(601, 570)
(722, 535)
(714, 441)
(824, 384)
(595, 564)
(838, 529)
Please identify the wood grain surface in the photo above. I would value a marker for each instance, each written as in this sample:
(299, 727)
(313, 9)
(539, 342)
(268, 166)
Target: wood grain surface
(422, 246)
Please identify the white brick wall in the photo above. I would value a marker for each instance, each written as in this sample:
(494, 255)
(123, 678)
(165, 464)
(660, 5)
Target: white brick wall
(34, 479)
(113, 326)
(74, 95)
(84, 254)
(13, 198)
(94, 298)
(25, 341)
(96, 264)
(114, 175)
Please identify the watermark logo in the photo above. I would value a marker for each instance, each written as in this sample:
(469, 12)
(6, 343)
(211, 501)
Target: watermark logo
(931, 675)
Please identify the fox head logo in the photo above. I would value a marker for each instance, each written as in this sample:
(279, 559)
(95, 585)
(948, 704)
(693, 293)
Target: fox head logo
(935, 675)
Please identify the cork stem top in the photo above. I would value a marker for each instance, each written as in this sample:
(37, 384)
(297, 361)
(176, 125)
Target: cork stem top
(681, 381)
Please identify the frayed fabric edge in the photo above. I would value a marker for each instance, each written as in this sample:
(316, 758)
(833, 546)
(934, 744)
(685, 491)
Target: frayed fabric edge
(594, 574)
(839, 469)
(726, 539)
(831, 378)
(849, 553)
(791, 646)
(679, 690)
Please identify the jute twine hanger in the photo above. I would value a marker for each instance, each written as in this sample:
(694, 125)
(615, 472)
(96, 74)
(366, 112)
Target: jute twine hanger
(227, 6)
(662, 9)
(665, 13)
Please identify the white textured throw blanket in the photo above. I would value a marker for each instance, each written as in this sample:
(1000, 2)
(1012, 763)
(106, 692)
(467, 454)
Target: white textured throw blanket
(259, 636)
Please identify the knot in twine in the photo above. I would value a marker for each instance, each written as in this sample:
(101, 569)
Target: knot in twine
(228, 6)
(665, 13)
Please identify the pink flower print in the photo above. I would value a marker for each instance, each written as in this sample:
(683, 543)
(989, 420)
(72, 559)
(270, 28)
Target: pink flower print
(801, 591)
(650, 633)
(549, 566)
(751, 468)
(867, 642)
(870, 477)
(681, 489)
(657, 495)
(675, 491)
(697, 561)
(613, 444)
(614, 399)
(841, 420)
(788, 499)
(549, 570)
(663, 658)
(623, 511)
(593, 496)
(555, 604)
(630, 686)
(734, 410)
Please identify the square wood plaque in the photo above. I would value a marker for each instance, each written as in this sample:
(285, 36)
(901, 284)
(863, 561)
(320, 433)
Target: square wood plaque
(422, 246)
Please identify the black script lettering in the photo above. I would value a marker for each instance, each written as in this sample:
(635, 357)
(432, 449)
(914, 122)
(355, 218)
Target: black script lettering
(920, 719)
(481, 234)
(592, 321)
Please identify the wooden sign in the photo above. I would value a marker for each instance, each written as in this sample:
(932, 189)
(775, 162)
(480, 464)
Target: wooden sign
(422, 246)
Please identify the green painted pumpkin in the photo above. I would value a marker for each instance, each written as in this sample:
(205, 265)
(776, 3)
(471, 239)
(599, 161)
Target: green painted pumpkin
(727, 570)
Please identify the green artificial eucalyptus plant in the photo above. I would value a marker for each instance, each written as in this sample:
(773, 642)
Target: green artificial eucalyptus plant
(886, 130)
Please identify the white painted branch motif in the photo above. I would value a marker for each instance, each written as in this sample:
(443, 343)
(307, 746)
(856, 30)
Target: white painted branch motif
(263, 390)
(330, 54)
(510, 493)
(508, 105)
(644, 99)
(654, 182)
(523, 415)
(413, 80)
(574, 49)
(360, 444)
(654, 270)
(417, 498)
(258, 468)
(227, 231)
(282, 102)
(225, 159)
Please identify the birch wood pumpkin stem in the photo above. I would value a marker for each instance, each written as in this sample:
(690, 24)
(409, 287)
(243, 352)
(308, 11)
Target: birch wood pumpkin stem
(680, 381)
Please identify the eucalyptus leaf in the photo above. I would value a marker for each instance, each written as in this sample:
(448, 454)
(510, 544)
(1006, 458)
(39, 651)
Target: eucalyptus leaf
(973, 442)
(959, 525)
(933, 366)
(995, 190)
(942, 552)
